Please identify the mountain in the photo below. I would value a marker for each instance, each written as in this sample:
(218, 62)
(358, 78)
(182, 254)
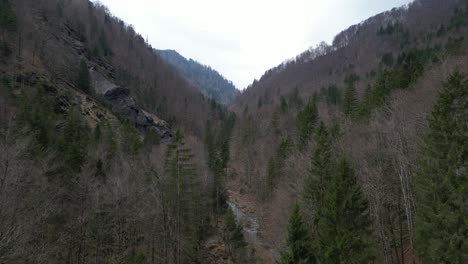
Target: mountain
(208, 80)
(351, 152)
(374, 89)
(102, 142)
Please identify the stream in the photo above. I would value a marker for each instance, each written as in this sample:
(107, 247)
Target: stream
(249, 223)
(251, 226)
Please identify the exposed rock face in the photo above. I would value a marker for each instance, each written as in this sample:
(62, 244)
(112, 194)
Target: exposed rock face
(122, 103)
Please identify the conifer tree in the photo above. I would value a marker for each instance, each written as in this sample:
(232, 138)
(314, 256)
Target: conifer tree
(232, 234)
(299, 250)
(72, 143)
(306, 120)
(349, 99)
(343, 234)
(320, 174)
(442, 178)
(187, 213)
(7, 17)
(83, 77)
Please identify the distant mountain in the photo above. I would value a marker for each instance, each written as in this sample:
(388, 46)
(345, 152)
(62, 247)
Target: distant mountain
(210, 82)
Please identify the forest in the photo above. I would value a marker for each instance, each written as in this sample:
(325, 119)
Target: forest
(114, 152)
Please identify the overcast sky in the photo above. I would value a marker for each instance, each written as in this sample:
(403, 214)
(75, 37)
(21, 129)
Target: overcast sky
(243, 38)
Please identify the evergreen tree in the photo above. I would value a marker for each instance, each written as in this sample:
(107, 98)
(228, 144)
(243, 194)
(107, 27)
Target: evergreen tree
(187, 205)
(7, 16)
(320, 174)
(232, 234)
(349, 99)
(306, 120)
(343, 234)
(442, 178)
(83, 77)
(299, 250)
(72, 143)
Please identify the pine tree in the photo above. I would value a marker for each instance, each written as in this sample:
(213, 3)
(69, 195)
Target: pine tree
(442, 178)
(320, 174)
(299, 250)
(187, 206)
(306, 120)
(349, 99)
(83, 77)
(72, 143)
(7, 16)
(232, 234)
(344, 226)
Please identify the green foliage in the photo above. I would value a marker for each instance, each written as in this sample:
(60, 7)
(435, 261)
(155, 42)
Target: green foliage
(344, 232)
(306, 120)
(130, 138)
(459, 18)
(217, 142)
(37, 112)
(454, 45)
(73, 141)
(152, 137)
(233, 234)
(320, 174)
(409, 66)
(284, 104)
(387, 59)
(442, 178)
(7, 16)
(349, 102)
(276, 163)
(299, 250)
(332, 95)
(208, 80)
(187, 204)
(83, 80)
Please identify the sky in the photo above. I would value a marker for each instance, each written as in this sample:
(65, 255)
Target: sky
(242, 39)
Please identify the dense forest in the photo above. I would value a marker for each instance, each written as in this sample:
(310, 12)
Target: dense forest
(355, 151)
(112, 152)
(210, 82)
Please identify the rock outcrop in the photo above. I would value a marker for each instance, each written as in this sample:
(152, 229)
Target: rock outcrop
(121, 103)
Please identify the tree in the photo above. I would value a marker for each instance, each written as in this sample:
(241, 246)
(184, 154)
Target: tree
(299, 250)
(344, 226)
(320, 175)
(232, 234)
(442, 178)
(7, 16)
(186, 208)
(306, 120)
(83, 77)
(349, 99)
(72, 143)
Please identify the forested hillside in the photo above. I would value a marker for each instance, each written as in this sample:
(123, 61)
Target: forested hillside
(102, 143)
(354, 133)
(210, 82)
(353, 152)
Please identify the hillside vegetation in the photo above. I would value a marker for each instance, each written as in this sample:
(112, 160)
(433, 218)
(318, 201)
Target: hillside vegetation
(210, 82)
(353, 152)
(347, 131)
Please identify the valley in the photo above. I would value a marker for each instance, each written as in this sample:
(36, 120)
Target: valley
(115, 151)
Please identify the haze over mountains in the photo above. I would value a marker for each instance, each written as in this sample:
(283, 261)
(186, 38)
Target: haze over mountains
(114, 152)
(210, 82)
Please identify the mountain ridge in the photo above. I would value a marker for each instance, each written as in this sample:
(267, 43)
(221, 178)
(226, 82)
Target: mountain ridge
(209, 81)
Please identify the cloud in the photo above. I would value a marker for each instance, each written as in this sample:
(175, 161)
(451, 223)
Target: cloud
(244, 38)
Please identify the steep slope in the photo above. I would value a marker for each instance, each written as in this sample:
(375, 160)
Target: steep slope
(373, 88)
(209, 81)
(102, 156)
